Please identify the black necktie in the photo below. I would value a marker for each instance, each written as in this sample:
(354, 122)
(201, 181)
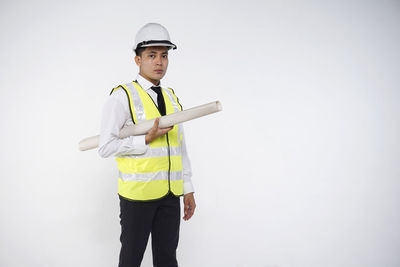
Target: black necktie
(160, 99)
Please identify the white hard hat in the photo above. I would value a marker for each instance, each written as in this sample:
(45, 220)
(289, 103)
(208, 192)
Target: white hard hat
(153, 34)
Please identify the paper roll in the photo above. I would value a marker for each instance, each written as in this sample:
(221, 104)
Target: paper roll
(165, 121)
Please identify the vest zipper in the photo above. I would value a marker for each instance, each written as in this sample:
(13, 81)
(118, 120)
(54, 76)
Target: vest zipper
(169, 153)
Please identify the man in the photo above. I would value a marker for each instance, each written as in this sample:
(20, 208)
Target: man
(154, 169)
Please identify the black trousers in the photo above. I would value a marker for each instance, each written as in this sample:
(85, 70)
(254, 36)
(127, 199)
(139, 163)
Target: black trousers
(161, 218)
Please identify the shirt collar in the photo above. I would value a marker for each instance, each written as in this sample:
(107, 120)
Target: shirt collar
(145, 84)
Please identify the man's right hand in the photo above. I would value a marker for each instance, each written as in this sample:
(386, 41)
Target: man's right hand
(156, 132)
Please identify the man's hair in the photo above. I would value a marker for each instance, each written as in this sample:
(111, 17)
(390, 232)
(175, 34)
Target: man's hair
(139, 51)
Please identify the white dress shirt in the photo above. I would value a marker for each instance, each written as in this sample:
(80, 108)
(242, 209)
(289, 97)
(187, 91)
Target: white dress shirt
(116, 115)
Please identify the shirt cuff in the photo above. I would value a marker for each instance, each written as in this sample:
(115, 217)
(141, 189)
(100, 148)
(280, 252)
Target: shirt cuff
(139, 143)
(139, 140)
(187, 187)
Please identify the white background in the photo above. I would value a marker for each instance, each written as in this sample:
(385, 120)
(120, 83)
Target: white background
(301, 169)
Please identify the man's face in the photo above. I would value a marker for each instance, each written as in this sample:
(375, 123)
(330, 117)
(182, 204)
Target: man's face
(153, 63)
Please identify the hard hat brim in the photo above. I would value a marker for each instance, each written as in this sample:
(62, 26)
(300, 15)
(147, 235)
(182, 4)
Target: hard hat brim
(155, 43)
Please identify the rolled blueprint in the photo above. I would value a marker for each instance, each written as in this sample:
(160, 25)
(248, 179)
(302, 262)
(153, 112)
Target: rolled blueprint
(165, 121)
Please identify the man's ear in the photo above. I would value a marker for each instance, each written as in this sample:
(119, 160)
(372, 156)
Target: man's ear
(138, 60)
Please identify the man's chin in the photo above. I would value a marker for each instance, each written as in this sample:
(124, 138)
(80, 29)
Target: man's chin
(158, 76)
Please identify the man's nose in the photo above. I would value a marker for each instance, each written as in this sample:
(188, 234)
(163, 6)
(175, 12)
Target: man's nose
(158, 61)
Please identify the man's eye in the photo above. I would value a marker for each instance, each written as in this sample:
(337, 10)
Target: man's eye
(165, 56)
(151, 56)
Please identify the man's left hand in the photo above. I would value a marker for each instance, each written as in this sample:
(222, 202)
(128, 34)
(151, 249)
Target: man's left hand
(190, 205)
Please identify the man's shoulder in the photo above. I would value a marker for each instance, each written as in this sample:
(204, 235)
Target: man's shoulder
(118, 93)
(120, 89)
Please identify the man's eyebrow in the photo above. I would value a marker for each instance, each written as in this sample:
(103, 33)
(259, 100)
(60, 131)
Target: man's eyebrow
(155, 52)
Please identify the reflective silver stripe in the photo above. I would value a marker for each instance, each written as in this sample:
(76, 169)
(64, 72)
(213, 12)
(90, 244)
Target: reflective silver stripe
(176, 109)
(172, 99)
(179, 134)
(151, 176)
(176, 176)
(156, 152)
(137, 102)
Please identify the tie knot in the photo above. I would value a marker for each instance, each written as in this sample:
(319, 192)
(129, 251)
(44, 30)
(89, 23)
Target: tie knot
(156, 89)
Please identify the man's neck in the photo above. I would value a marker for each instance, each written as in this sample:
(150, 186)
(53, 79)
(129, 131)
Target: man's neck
(155, 82)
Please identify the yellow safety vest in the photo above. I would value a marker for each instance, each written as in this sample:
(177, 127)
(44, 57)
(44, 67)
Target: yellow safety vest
(159, 170)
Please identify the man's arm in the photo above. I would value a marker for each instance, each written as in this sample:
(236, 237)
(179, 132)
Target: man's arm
(188, 190)
(114, 115)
